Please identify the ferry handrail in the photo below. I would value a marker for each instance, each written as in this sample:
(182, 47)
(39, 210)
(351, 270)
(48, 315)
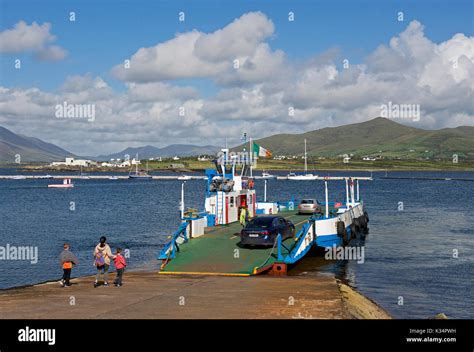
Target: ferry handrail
(305, 228)
(280, 244)
(165, 254)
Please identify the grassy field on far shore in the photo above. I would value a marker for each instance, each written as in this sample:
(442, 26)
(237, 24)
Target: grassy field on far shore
(187, 164)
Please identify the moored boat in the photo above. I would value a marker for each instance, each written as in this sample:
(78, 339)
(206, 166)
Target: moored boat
(83, 175)
(266, 176)
(301, 177)
(140, 175)
(67, 183)
(304, 176)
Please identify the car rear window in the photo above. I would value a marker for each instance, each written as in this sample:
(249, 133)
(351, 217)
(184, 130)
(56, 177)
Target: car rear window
(307, 201)
(263, 222)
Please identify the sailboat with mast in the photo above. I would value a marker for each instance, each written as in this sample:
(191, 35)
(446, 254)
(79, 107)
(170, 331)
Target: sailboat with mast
(140, 175)
(83, 175)
(306, 176)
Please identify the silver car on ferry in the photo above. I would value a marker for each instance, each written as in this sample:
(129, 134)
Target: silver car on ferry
(308, 206)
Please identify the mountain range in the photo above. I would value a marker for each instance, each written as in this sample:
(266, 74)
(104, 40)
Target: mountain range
(379, 136)
(33, 149)
(149, 151)
(28, 148)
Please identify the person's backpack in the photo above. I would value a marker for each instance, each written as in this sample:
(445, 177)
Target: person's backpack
(99, 259)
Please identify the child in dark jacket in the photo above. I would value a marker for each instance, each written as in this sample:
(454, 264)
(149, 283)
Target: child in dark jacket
(67, 260)
(120, 264)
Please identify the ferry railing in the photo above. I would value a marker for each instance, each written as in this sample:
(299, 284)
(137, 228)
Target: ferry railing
(170, 249)
(292, 257)
(280, 244)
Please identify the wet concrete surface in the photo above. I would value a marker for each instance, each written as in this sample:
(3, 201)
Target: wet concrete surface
(148, 295)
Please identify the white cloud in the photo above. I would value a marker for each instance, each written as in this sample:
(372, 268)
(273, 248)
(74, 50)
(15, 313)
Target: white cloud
(239, 38)
(161, 63)
(158, 91)
(411, 70)
(31, 38)
(24, 37)
(196, 54)
(51, 53)
(78, 83)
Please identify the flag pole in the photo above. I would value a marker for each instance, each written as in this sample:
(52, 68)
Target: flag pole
(251, 157)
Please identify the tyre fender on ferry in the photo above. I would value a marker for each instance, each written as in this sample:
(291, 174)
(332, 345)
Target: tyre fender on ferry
(345, 238)
(353, 230)
(363, 221)
(341, 228)
(357, 224)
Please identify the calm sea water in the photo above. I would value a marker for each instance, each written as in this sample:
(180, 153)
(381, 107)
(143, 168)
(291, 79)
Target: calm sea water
(408, 253)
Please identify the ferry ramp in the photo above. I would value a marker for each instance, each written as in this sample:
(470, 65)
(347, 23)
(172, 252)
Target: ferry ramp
(218, 252)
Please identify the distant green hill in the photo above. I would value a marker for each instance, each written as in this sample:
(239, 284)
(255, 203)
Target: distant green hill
(379, 136)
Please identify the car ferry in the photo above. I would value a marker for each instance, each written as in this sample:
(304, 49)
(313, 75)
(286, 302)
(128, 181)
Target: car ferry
(210, 242)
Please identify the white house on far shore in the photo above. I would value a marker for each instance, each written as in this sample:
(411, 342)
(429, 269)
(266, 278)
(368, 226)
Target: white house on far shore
(120, 163)
(73, 162)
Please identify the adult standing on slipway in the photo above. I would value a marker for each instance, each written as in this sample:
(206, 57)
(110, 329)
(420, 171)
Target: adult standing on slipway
(102, 255)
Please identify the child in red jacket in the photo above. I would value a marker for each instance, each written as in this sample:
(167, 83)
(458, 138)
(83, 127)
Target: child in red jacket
(120, 264)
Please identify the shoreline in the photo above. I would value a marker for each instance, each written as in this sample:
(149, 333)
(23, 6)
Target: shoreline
(148, 295)
(200, 170)
(361, 306)
(191, 166)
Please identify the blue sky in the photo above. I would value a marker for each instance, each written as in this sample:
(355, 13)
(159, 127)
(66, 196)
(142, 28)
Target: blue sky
(106, 32)
(427, 59)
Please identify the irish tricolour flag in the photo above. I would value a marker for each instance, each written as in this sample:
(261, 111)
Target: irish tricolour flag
(259, 151)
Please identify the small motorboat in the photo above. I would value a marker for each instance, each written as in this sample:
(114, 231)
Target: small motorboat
(67, 183)
(140, 176)
(45, 177)
(113, 178)
(266, 176)
(19, 177)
